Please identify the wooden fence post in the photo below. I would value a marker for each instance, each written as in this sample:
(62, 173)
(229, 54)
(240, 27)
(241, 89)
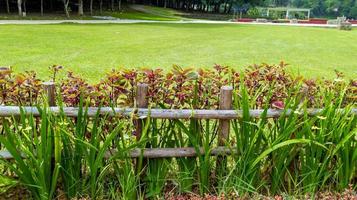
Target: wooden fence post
(225, 103)
(141, 102)
(49, 89)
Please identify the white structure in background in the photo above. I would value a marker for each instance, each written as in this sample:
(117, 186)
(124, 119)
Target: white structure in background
(290, 10)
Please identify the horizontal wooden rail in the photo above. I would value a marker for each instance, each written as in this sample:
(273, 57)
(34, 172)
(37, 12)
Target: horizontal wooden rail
(5, 155)
(7, 111)
(173, 152)
(156, 152)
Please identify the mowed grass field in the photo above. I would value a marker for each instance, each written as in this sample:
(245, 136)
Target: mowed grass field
(93, 50)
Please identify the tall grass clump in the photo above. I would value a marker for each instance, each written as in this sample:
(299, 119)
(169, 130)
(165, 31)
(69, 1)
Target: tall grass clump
(40, 145)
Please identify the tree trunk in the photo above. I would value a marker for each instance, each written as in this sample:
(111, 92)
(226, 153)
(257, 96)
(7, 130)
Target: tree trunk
(65, 4)
(7, 7)
(229, 8)
(25, 10)
(119, 5)
(91, 7)
(225, 7)
(19, 4)
(112, 5)
(41, 7)
(165, 3)
(101, 6)
(80, 7)
(51, 5)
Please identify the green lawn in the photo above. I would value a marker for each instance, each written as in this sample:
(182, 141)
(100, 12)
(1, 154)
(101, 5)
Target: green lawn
(139, 12)
(143, 12)
(134, 14)
(93, 50)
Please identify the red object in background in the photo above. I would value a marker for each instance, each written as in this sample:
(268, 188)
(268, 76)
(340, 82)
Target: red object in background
(304, 22)
(318, 21)
(313, 21)
(353, 21)
(245, 20)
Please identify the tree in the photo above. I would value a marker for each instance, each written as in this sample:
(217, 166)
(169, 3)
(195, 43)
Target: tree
(101, 6)
(242, 6)
(41, 7)
(19, 7)
(7, 7)
(353, 12)
(119, 5)
(91, 7)
(80, 7)
(65, 5)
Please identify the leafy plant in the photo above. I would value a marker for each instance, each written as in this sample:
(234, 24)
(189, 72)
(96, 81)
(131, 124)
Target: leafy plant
(39, 172)
(292, 153)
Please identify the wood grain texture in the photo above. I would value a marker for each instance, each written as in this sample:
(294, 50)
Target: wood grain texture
(8, 111)
(141, 102)
(155, 152)
(225, 103)
(49, 89)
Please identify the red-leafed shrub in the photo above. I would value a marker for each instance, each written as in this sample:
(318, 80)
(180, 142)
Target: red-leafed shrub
(19, 89)
(175, 89)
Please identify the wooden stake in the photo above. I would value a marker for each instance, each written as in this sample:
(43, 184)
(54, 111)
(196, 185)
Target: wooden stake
(141, 102)
(225, 103)
(49, 89)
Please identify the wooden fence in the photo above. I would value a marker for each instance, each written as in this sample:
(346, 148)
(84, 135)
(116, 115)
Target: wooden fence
(224, 115)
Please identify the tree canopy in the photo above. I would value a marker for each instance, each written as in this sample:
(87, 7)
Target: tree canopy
(320, 8)
(325, 8)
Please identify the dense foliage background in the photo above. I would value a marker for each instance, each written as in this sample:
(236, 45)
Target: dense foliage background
(320, 8)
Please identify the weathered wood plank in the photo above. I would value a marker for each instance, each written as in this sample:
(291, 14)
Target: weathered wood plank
(177, 152)
(5, 155)
(225, 103)
(156, 152)
(141, 102)
(49, 89)
(7, 111)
